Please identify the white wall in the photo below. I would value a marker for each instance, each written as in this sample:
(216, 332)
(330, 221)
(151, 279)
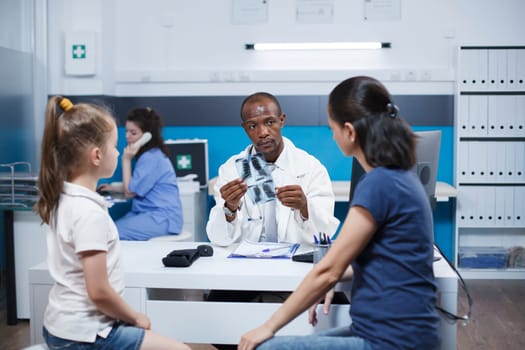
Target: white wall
(16, 24)
(178, 47)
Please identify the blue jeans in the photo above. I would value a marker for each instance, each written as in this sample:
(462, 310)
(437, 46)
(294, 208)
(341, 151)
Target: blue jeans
(122, 336)
(334, 339)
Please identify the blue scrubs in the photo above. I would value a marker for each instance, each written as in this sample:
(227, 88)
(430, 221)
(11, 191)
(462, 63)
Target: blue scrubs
(156, 209)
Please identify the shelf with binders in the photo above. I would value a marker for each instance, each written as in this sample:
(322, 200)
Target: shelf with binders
(490, 160)
(496, 116)
(491, 68)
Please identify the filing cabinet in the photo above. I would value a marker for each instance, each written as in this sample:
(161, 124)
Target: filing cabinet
(490, 154)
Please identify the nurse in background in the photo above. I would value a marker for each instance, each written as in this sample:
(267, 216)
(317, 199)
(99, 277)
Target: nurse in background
(156, 208)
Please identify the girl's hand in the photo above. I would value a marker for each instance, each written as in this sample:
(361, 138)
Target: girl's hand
(254, 337)
(142, 321)
(312, 312)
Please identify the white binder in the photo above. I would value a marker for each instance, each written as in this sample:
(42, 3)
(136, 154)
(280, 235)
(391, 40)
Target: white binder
(519, 206)
(509, 117)
(512, 69)
(466, 202)
(520, 70)
(495, 109)
(519, 162)
(491, 156)
(478, 116)
(483, 153)
(463, 162)
(499, 207)
(510, 158)
(464, 115)
(497, 70)
(519, 118)
(509, 205)
(501, 162)
(474, 70)
(488, 204)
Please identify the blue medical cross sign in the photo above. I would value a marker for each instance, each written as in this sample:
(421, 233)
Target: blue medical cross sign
(79, 51)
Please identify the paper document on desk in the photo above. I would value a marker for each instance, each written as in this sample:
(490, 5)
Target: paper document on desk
(268, 250)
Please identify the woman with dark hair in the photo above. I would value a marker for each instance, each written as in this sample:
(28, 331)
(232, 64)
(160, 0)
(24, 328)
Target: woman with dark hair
(156, 208)
(385, 241)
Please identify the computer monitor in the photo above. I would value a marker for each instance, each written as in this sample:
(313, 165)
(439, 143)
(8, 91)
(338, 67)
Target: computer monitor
(427, 157)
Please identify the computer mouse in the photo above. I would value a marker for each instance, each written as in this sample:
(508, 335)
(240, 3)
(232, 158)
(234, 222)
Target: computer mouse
(205, 250)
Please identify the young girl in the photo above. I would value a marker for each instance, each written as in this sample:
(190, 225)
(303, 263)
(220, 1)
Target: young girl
(386, 237)
(85, 309)
(156, 207)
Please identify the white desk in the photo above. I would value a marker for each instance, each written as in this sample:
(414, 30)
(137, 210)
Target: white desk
(170, 296)
(443, 191)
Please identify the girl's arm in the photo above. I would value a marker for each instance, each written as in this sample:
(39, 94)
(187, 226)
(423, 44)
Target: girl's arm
(102, 294)
(355, 234)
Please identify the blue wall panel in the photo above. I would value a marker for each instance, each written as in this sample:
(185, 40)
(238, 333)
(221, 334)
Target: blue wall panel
(224, 141)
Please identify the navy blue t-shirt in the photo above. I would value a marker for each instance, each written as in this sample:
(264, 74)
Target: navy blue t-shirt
(393, 289)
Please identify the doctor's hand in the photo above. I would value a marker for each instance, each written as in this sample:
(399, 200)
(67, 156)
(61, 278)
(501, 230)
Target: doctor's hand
(232, 193)
(312, 312)
(292, 196)
(255, 337)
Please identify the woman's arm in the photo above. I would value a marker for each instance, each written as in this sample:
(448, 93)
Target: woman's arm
(355, 234)
(328, 298)
(128, 154)
(102, 294)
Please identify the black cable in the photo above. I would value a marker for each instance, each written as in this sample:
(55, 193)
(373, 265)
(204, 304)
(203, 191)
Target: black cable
(453, 317)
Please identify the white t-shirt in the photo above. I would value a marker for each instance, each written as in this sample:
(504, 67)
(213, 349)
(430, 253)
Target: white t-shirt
(80, 223)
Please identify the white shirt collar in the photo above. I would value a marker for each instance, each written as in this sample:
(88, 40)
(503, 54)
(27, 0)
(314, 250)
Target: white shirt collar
(75, 190)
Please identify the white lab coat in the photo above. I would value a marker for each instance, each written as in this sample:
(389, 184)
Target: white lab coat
(294, 166)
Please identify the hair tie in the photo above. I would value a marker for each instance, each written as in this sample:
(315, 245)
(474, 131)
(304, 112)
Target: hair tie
(392, 110)
(65, 104)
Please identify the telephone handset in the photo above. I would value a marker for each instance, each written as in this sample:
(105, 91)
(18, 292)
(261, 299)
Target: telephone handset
(142, 141)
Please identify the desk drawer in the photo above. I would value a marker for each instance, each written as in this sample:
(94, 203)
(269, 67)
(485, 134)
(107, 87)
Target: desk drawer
(224, 322)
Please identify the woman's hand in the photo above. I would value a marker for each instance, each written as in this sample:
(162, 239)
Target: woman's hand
(129, 152)
(255, 337)
(312, 312)
(115, 187)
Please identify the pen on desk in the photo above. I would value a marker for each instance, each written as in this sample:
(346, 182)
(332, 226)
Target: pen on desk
(268, 250)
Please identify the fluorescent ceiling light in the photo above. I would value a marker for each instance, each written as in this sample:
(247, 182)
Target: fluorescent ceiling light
(318, 46)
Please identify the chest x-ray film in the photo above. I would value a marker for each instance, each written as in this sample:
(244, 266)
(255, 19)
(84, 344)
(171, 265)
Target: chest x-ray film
(257, 174)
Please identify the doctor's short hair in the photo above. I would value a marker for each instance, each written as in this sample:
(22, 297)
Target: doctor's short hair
(385, 138)
(259, 96)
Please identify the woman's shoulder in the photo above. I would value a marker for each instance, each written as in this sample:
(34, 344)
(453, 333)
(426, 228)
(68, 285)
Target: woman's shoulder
(152, 154)
(384, 179)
